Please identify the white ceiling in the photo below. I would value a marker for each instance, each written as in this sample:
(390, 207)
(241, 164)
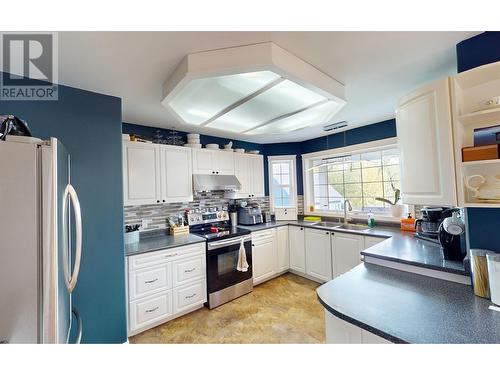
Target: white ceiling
(377, 68)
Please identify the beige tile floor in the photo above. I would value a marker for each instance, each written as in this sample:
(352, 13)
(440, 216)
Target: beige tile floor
(282, 310)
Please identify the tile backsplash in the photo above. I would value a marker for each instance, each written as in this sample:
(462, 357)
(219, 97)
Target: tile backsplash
(158, 213)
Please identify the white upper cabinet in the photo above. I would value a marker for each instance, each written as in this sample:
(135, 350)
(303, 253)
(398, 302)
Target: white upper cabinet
(176, 174)
(156, 174)
(424, 130)
(318, 254)
(346, 250)
(141, 173)
(297, 249)
(224, 160)
(257, 175)
(249, 170)
(206, 161)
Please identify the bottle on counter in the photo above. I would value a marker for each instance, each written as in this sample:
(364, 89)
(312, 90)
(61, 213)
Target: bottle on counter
(408, 224)
(371, 219)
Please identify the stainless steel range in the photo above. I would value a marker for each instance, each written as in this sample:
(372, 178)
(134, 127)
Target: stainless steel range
(224, 281)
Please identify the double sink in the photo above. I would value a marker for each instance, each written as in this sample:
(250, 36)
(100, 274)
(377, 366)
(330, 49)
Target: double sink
(351, 227)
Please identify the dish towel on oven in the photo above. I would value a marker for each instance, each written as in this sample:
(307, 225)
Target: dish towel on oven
(242, 265)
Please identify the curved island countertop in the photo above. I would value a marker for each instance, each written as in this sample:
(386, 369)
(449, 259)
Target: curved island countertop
(408, 308)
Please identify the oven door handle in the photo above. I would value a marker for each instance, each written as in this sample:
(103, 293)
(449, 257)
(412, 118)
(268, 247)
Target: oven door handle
(218, 244)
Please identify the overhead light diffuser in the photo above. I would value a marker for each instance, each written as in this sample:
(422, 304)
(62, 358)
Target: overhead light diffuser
(255, 89)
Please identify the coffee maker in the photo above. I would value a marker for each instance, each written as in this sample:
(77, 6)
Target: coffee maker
(450, 235)
(443, 226)
(427, 227)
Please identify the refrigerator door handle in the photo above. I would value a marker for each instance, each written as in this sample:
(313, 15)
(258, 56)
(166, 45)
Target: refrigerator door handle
(72, 279)
(78, 338)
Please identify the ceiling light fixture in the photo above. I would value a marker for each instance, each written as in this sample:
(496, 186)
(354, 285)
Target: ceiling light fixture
(254, 89)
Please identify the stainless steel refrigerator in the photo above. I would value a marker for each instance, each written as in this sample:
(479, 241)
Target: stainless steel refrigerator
(40, 243)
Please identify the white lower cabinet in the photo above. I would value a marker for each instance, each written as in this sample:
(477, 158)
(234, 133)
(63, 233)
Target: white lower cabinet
(165, 284)
(346, 251)
(339, 331)
(297, 243)
(188, 297)
(264, 255)
(149, 280)
(283, 248)
(148, 312)
(318, 254)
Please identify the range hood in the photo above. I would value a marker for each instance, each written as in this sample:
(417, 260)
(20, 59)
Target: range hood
(209, 182)
(251, 90)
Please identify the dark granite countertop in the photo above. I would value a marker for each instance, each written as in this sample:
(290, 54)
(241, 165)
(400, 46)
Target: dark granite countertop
(408, 308)
(400, 247)
(160, 242)
(405, 248)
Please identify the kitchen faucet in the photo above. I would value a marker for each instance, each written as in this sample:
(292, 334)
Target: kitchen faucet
(346, 203)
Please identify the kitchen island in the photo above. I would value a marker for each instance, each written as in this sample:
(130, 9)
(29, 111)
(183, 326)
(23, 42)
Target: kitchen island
(402, 307)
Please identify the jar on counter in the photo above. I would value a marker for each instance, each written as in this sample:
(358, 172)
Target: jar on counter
(479, 270)
(493, 263)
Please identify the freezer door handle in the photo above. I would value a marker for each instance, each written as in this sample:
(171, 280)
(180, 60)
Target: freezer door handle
(78, 338)
(72, 278)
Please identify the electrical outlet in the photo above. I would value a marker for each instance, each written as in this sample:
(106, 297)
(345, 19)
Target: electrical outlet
(145, 223)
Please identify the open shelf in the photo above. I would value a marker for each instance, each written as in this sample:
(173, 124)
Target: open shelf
(480, 162)
(486, 117)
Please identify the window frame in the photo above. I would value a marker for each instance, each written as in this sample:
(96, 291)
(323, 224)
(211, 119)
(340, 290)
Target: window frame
(293, 179)
(359, 148)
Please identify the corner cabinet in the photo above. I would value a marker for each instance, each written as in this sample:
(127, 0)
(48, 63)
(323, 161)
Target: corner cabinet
(207, 161)
(297, 243)
(249, 170)
(155, 173)
(425, 138)
(283, 248)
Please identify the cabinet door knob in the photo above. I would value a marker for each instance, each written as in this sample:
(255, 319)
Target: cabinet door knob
(158, 201)
(217, 172)
(327, 232)
(301, 228)
(164, 200)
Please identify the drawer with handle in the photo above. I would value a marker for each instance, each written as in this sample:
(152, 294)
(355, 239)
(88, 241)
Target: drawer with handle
(189, 296)
(146, 281)
(163, 256)
(188, 270)
(147, 311)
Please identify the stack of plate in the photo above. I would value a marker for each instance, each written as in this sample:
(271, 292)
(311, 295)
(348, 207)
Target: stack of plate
(239, 150)
(212, 146)
(193, 141)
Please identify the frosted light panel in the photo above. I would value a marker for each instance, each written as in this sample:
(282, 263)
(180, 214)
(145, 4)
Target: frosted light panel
(318, 115)
(282, 99)
(203, 98)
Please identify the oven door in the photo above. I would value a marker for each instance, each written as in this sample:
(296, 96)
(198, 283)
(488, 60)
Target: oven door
(222, 259)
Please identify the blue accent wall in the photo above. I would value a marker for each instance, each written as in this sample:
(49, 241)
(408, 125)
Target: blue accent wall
(483, 222)
(150, 132)
(368, 133)
(479, 50)
(89, 125)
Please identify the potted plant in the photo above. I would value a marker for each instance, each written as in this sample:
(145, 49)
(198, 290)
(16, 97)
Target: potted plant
(396, 209)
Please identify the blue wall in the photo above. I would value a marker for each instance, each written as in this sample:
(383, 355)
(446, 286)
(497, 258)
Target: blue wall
(149, 131)
(89, 125)
(483, 222)
(373, 132)
(479, 50)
